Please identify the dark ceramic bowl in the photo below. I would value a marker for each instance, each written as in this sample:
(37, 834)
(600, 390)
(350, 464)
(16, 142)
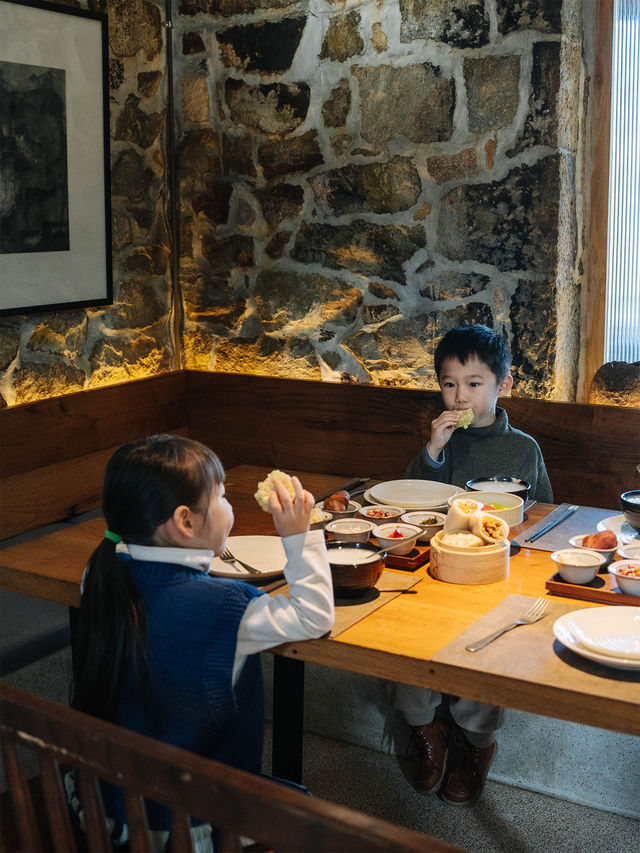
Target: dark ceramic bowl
(351, 571)
(631, 507)
(511, 485)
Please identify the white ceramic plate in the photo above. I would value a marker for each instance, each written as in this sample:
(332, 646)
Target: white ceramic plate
(413, 494)
(620, 621)
(427, 508)
(263, 552)
(621, 527)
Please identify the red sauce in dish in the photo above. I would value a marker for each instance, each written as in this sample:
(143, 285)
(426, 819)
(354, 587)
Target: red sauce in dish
(379, 513)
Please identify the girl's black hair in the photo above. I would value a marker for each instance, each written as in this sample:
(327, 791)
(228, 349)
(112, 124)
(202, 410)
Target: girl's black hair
(144, 483)
(477, 340)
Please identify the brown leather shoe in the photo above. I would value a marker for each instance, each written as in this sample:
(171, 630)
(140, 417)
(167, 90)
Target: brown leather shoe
(467, 771)
(429, 744)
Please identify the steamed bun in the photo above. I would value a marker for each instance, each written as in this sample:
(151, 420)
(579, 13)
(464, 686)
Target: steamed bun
(466, 418)
(266, 487)
(462, 539)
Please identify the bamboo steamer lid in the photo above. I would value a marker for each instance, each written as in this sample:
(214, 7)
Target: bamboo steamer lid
(482, 564)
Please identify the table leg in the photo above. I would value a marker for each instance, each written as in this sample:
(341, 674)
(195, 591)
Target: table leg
(288, 716)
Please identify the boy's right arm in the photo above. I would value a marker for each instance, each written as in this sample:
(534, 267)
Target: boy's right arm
(442, 428)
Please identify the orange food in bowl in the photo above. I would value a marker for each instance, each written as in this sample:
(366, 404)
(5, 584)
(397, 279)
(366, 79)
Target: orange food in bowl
(337, 502)
(601, 541)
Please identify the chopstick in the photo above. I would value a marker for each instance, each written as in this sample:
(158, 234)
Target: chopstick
(348, 487)
(556, 521)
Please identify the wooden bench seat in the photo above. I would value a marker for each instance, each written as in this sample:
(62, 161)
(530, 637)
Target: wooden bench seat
(237, 803)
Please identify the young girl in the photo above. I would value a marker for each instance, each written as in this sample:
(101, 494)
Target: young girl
(165, 649)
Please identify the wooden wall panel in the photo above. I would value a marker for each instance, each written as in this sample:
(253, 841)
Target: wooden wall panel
(33, 435)
(54, 451)
(591, 451)
(324, 427)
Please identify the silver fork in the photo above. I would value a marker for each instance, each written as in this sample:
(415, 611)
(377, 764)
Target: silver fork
(535, 612)
(228, 557)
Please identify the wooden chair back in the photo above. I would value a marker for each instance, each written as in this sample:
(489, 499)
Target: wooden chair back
(237, 803)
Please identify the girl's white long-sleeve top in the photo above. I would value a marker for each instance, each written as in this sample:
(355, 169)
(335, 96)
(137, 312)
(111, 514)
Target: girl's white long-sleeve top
(306, 613)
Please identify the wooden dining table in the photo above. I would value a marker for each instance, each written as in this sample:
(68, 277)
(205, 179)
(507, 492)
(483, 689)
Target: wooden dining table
(415, 639)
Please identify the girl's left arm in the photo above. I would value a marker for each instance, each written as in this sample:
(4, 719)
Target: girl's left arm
(306, 613)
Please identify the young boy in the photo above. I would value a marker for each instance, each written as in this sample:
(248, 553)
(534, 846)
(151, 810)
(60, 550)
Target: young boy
(453, 739)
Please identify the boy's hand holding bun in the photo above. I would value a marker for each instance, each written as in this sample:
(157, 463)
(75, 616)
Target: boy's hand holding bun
(290, 504)
(444, 426)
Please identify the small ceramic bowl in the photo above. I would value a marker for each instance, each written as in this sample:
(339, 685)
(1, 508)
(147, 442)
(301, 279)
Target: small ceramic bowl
(607, 553)
(510, 506)
(631, 507)
(319, 517)
(430, 522)
(381, 513)
(577, 565)
(395, 544)
(627, 583)
(350, 529)
(352, 509)
(630, 551)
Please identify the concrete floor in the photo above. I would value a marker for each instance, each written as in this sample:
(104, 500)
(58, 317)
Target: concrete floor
(505, 820)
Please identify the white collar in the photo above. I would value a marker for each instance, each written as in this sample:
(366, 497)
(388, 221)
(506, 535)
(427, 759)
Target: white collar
(189, 557)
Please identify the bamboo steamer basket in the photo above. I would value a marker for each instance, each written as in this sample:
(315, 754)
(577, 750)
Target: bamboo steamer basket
(482, 564)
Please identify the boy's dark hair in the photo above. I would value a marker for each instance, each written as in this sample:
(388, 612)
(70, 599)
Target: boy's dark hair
(478, 340)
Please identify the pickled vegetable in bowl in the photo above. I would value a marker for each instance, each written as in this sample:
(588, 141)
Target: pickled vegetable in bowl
(429, 522)
(397, 538)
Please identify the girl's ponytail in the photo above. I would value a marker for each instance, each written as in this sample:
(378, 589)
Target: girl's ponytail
(110, 632)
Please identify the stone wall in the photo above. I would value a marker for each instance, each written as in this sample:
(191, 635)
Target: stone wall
(358, 177)
(354, 179)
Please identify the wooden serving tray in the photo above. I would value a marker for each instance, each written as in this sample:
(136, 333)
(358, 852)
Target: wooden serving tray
(602, 588)
(418, 556)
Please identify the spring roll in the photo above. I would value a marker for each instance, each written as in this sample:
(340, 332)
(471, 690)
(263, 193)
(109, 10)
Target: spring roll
(459, 514)
(488, 527)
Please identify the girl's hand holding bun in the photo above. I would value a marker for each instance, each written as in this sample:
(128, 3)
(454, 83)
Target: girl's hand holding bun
(290, 516)
(284, 497)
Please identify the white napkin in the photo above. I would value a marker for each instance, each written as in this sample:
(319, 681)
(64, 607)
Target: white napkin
(625, 644)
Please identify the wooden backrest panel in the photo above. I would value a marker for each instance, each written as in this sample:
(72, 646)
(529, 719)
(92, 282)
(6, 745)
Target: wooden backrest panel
(288, 423)
(591, 451)
(235, 802)
(53, 452)
(46, 432)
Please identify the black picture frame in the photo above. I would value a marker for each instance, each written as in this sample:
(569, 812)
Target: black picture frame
(54, 82)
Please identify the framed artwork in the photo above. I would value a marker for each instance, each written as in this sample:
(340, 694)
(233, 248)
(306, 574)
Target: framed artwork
(55, 202)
